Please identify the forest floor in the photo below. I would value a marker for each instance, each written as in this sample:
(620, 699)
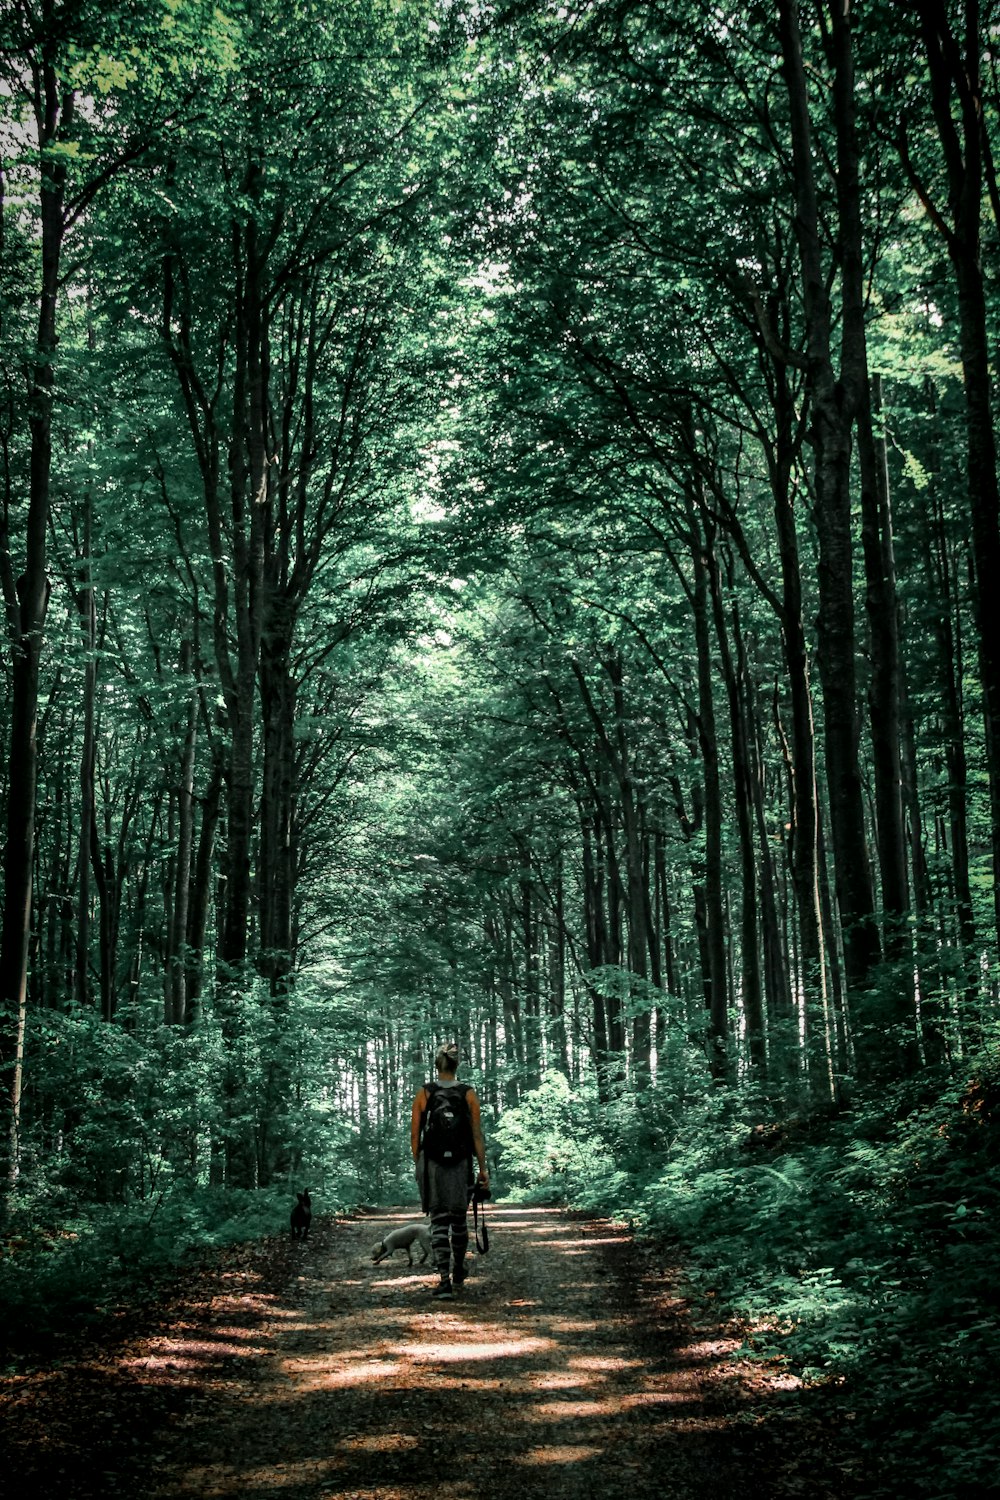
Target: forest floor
(300, 1371)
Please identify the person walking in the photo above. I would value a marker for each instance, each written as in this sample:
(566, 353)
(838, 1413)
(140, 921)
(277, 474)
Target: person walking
(446, 1134)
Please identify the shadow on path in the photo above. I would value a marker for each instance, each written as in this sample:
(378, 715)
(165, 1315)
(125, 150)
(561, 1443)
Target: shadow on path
(563, 1370)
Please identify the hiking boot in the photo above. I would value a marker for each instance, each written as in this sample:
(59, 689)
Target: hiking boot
(458, 1275)
(443, 1291)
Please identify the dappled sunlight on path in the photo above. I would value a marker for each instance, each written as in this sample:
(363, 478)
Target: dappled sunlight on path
(564, 1369)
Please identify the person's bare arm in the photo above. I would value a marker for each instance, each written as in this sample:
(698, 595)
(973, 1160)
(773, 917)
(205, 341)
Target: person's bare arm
(416, 1115)
(477, 1135)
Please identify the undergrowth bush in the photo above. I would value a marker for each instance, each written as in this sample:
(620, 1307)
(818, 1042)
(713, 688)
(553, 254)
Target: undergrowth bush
(123, 1142)
(545, 1148)
(64, 1266)
(861, 1250)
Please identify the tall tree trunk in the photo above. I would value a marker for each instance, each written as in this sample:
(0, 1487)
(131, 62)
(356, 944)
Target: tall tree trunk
(276, 872)
(832, 421)
(835, 1019)
(665, 925)
(513, 1038)
(951, 715)
(248, 490)
(776, 985)
(593, 914)
(613, 953)
(177, 957)
(885, 691)
(200, 902)
(801, 760)
(637, 895)
(753, 1006)
(712, 915)
(529, 945)
(53, 112)
(954, 64)
(88, 622)
(103, 862)
(556, 927)
(876, 521)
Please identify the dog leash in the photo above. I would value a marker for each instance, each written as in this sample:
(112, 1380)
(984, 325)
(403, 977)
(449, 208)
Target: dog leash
(483, 1243)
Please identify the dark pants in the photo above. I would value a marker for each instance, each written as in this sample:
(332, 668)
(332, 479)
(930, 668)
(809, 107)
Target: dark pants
(449, 1237)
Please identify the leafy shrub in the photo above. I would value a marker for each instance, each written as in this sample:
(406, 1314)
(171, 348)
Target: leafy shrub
(861, 1250)
(545, 1146)
(60, 1273)
(125, 1130)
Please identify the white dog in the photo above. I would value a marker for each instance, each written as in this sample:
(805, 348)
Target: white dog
(402, 1239)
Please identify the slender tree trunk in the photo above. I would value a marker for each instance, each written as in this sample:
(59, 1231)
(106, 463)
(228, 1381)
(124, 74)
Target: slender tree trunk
(753, 1007)
(954, 64)
(513, 1040)
(557, 975)
(951, 711)
(613, 949)
(56, 920)
(831, 441)
(593, 901)
(835, 1015)
(637, 895)
(177, 957)
(665, 920)
(529, 945)
(712, 915)
(885, 691)
(88, 622)
(776, 985)
(248, 487)
(924, 948)
(276, 876)
(200, 903)
(801, 760)
(876, 524)
(651, 915)
(54, 111)
(276, 847)
(248, 490)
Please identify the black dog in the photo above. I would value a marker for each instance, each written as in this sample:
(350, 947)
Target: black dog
(302, 1216)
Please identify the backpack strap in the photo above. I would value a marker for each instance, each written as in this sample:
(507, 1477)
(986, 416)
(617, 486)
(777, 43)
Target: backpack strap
(429, 1095)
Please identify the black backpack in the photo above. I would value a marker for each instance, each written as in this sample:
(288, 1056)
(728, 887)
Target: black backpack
(447, 1137)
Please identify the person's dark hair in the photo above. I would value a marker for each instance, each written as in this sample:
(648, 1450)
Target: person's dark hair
(446, 1057)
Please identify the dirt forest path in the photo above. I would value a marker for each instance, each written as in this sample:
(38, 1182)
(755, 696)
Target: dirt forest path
(304, 1372)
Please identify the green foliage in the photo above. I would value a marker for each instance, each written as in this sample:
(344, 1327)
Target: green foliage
(546, 1144)
(65, 1265)
(140, 1103)
(858, 1250)
(121, 1180)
